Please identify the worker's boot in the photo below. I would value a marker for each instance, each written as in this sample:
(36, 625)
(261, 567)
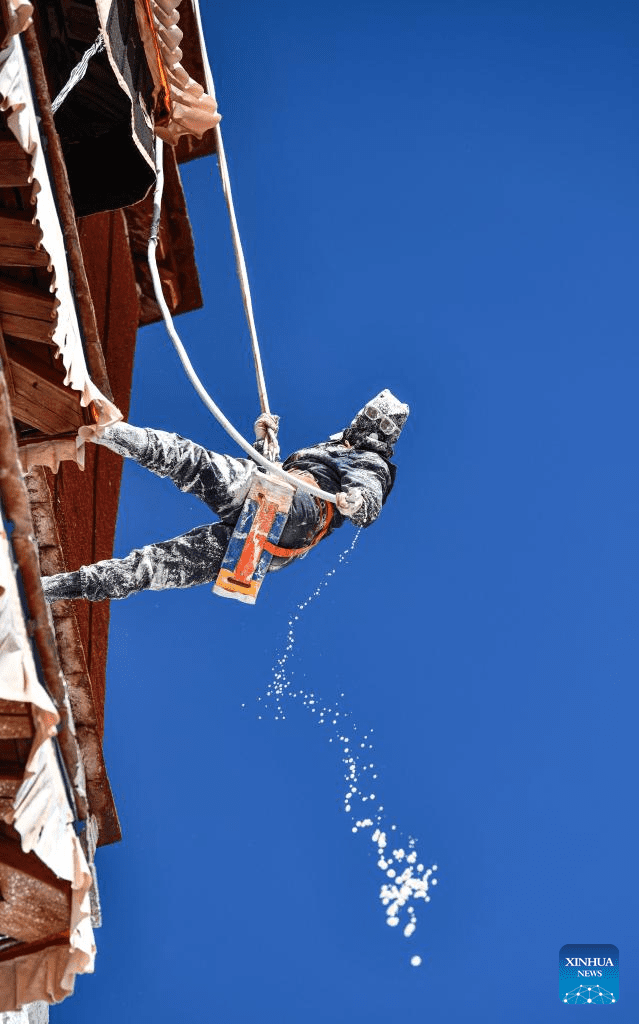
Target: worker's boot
(64, 586)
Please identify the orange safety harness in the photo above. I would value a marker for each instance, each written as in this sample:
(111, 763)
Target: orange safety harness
(326, 516)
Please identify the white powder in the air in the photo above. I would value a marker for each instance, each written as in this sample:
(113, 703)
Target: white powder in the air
(404, 882)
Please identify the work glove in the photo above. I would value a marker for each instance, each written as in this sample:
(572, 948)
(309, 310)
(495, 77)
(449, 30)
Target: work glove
(92, 433)
(266, 428)
(349, 501)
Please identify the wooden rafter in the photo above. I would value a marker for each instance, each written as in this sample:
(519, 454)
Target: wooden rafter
(39, 395)
(35, 904)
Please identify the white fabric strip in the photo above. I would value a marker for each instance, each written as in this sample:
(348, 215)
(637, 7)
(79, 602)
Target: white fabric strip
(193, 111)
(41, 813)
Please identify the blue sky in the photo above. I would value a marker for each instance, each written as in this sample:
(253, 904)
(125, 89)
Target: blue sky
(440, 199)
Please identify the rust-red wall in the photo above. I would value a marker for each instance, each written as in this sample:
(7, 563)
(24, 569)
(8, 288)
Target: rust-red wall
(87, 502)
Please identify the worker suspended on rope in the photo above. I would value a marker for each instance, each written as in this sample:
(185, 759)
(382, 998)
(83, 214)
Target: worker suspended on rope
(353, 465)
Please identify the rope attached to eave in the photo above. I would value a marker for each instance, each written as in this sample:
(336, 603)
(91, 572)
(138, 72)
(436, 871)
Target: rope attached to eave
(78, 72)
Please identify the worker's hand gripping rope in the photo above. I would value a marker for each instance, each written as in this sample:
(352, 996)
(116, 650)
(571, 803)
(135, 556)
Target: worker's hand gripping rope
(266, 428)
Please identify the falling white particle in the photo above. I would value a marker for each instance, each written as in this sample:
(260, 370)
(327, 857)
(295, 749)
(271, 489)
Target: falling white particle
(416, 961)
(399, 891)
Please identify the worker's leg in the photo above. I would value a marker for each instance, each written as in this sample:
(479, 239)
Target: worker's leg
(220, 481)
(184, 561)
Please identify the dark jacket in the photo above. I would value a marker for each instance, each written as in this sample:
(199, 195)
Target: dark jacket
(335, 467)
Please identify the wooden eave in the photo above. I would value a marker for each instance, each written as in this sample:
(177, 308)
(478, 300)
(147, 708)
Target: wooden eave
(44, 407)
(15, 501)
(28, 309)
(27, 303)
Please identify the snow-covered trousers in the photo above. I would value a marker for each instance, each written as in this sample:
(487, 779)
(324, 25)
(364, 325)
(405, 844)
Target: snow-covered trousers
(220, 481)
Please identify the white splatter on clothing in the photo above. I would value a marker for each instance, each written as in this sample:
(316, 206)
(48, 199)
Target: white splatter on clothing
(221, 482)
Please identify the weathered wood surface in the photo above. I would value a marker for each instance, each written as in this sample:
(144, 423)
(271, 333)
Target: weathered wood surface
(17, 256)
(20, 326)
(40, 397)
(22, 299)
(11, 776)
(16, 727)
(14, 707)
(35, 903)
(18, 227)
(15, 164)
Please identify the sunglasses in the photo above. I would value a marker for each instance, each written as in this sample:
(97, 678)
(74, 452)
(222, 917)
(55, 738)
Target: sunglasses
(386, 424)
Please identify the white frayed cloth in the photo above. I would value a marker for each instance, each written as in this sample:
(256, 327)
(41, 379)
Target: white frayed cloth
(42, 815)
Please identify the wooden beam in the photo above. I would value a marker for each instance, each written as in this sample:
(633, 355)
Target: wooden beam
(19, 227)
(36, 904)
(16, 721)
(23, 299)
(16, 727)
(14, 707)
(16, 256)
(40, 397)
(18, 326)
(11, 776)
(26, 948)
(10, 148)
(15, 164)
(14, 173)
(6, 365)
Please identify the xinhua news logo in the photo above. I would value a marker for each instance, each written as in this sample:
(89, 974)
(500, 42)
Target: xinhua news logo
(589, 974)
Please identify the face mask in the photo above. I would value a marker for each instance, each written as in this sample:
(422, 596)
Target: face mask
(380, 421)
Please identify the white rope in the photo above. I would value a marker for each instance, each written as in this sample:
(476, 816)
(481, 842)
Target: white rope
(78, 72)
(186, 362)
(237, 242)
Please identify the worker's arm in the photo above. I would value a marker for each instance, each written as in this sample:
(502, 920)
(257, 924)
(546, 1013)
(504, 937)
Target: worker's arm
(362, 493)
